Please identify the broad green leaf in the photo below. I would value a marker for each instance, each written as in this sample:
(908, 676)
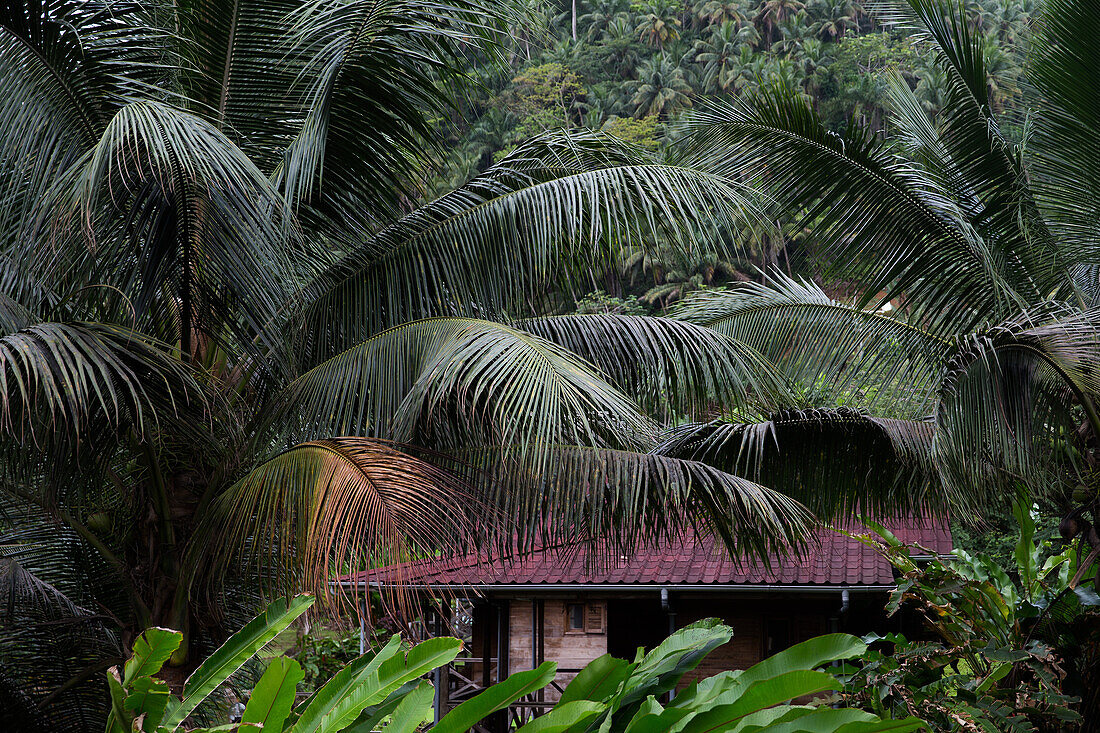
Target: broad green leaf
(499, 696)
(414, 709)
(233, 654)
(662, 668)
(369, 682)
(148, 698)
(765, 719)
(372, 716)
(1027, 554)
(598, 680)
(273, 696)
(996, 673)
(118, 720)
(687, 643)
(316, 705)
(759, 696)
(802, 720)
(655, 719)
(151, 650)
(906, 725)
(563, 717)
(804, 656)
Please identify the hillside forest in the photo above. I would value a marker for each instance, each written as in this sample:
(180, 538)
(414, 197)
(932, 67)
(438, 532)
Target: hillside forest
(635, 69)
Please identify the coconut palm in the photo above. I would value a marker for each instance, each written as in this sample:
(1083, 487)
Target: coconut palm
(719, 12)
(831, 20)
(661, 88)
(239, 352)
(602, 14)
(985, 383)
(771, 14)
(658, 24)
(719, 56)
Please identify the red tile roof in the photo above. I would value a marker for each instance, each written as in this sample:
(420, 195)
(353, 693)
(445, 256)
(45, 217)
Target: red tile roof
(833, 559)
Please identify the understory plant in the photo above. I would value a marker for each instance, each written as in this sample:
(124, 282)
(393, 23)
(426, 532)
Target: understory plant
(1006, 648)
(388, 688)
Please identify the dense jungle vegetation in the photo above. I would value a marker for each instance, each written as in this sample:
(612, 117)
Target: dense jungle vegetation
(290, 288)
(632, 69)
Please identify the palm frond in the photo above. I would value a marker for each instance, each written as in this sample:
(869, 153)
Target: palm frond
(828, 349)
(982, 168)
(671, 366)
(454, 383)
(1005, 416)
(386, 66)
(885, 223)
(57, 632)
(169, 211)
(71, 380)
(13, 316)
(551, 213)
(333, 506)
(67, 67)
(1066, 162)
(622, 500)
(236, 72)
(838, 462)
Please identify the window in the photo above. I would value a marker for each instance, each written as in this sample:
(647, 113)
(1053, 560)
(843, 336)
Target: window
(574, 617)
(585, 618)
(593, 622)
(777, 635)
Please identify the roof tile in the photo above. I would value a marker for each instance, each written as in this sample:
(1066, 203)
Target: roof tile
(831, 559)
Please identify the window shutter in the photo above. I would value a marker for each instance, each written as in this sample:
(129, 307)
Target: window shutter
(594, 618)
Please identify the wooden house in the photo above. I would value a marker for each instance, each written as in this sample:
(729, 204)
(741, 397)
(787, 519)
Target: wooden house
(556, 605)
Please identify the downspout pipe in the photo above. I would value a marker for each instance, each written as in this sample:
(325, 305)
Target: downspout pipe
(667, 606)
(834, 620)
(834, 623)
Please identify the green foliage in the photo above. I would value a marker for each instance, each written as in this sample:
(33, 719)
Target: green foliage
(608, 694)
(322, 654)
(230, 196)
(739, 701)
(242, 264)
(1006, 651)
(600, 302)
(545, 97)
(860, 72)
(641, 132)
(139, 701)
(381, 683)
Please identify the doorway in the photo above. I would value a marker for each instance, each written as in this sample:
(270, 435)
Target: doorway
(635, 622)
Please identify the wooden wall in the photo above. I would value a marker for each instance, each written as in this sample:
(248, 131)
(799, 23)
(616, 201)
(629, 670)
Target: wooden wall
(802, 619)
(750, 618)
(570, 650)
(786, 619)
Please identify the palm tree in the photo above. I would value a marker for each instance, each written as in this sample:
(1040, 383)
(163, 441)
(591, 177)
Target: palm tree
(673, 278)
(240, 353)
(659, 24)
(814, 60)
(621, 47)
(985, 384)
(661, 88)
(720, 12)
(833, 19)
(602, 15)
(719, 56)
(771, 15)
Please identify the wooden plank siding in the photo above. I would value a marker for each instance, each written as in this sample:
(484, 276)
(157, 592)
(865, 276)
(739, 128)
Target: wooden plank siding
(571, 650)
(789, 620)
